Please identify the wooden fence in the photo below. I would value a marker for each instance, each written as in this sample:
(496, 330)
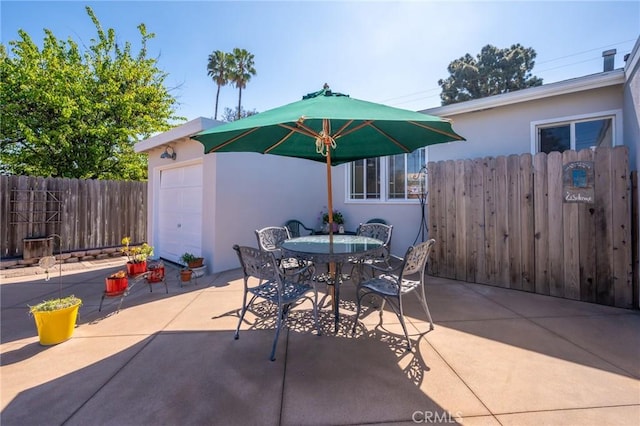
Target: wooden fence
(85, 213)
(504, 221)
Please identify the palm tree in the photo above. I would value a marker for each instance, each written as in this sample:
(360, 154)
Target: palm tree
(241, 72)
(218, 69)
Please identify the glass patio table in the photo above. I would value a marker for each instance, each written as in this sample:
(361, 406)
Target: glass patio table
(333, 250)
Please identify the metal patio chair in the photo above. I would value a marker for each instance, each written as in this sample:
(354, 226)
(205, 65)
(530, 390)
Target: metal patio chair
(296, 228)
(379, 231)
(270, 239)
(377, 220)
(393, 284)
(264, 279)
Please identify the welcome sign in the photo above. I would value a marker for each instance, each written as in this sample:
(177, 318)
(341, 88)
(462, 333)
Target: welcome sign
(578, 182)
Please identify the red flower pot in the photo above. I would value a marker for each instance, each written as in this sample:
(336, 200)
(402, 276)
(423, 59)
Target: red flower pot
(156, 274)
(136, 268)
(116, 286)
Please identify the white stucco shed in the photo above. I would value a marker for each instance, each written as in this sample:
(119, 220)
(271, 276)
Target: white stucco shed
(204, 204)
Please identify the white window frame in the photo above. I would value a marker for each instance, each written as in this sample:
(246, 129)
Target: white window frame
(384, 185)
(615, 115)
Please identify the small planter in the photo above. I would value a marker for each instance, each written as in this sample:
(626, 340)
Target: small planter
(56, 326)
(185, 275)
(156, 273)
(116, 284)
(136, 268)
(137, 256)
(197, 263)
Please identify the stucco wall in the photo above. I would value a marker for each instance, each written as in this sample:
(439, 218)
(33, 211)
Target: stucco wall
(632, 114)
(507, 130)
(242, 192)
(632, 122)
(253, 191)
(405, 216)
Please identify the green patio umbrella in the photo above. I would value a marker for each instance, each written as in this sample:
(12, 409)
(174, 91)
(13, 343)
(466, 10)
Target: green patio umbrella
(332, 128)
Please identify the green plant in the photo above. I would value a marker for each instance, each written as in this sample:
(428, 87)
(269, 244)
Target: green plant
(55, 304)
(187, 257)
(119, 274)
(136, 254)
(337, 217)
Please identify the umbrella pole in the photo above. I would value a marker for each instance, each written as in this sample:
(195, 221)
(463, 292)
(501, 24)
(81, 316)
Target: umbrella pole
(326, 132)
(329, 196)
(332, 265)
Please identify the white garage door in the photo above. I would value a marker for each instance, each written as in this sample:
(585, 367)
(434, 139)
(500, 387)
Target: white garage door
(180, 212)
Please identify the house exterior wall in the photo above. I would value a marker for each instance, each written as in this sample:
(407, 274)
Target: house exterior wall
(405, 216)
(632, 122)
(497, 131)
(632, 106)
(506, 129)
(252, 191)
(242, 192)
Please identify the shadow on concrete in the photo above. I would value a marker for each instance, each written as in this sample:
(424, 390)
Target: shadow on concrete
(16, 297)
(209, 378)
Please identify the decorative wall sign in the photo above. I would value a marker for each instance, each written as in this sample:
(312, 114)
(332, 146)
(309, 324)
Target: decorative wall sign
(577, 182)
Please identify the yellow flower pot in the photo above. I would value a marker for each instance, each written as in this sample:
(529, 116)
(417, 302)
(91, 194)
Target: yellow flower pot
(56, 326)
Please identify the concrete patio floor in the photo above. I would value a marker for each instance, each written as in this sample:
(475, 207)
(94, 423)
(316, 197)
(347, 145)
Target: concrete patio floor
(496, 357)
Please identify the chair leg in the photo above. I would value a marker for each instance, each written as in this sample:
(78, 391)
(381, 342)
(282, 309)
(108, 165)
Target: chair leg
(404, 326)
(275, 339)
(423, 300)
(236, 336)
(355, 321)
(355, 275)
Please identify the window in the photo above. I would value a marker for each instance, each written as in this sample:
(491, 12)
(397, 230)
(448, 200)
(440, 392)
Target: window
(577, 133)
(389, 178)
(365, 179)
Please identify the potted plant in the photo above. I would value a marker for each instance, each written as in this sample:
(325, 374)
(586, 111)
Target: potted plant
(137, 256)
(116, 283)
(338, 219)
(55, 318)
(185, 275)
(192, 261)
(193, 265)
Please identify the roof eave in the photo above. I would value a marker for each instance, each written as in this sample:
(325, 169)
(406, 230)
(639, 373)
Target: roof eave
(182, 131)
(578, 84)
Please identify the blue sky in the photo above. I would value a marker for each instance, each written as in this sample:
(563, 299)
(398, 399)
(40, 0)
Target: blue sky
(387, 52)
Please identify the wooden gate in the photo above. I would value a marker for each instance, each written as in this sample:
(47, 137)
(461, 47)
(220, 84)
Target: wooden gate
(504, 221)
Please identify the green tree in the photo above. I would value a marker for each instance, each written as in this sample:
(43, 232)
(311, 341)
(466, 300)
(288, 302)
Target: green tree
(491, 72)
(230, 115)
(241, 72)
(68, 112)
(218, 69)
